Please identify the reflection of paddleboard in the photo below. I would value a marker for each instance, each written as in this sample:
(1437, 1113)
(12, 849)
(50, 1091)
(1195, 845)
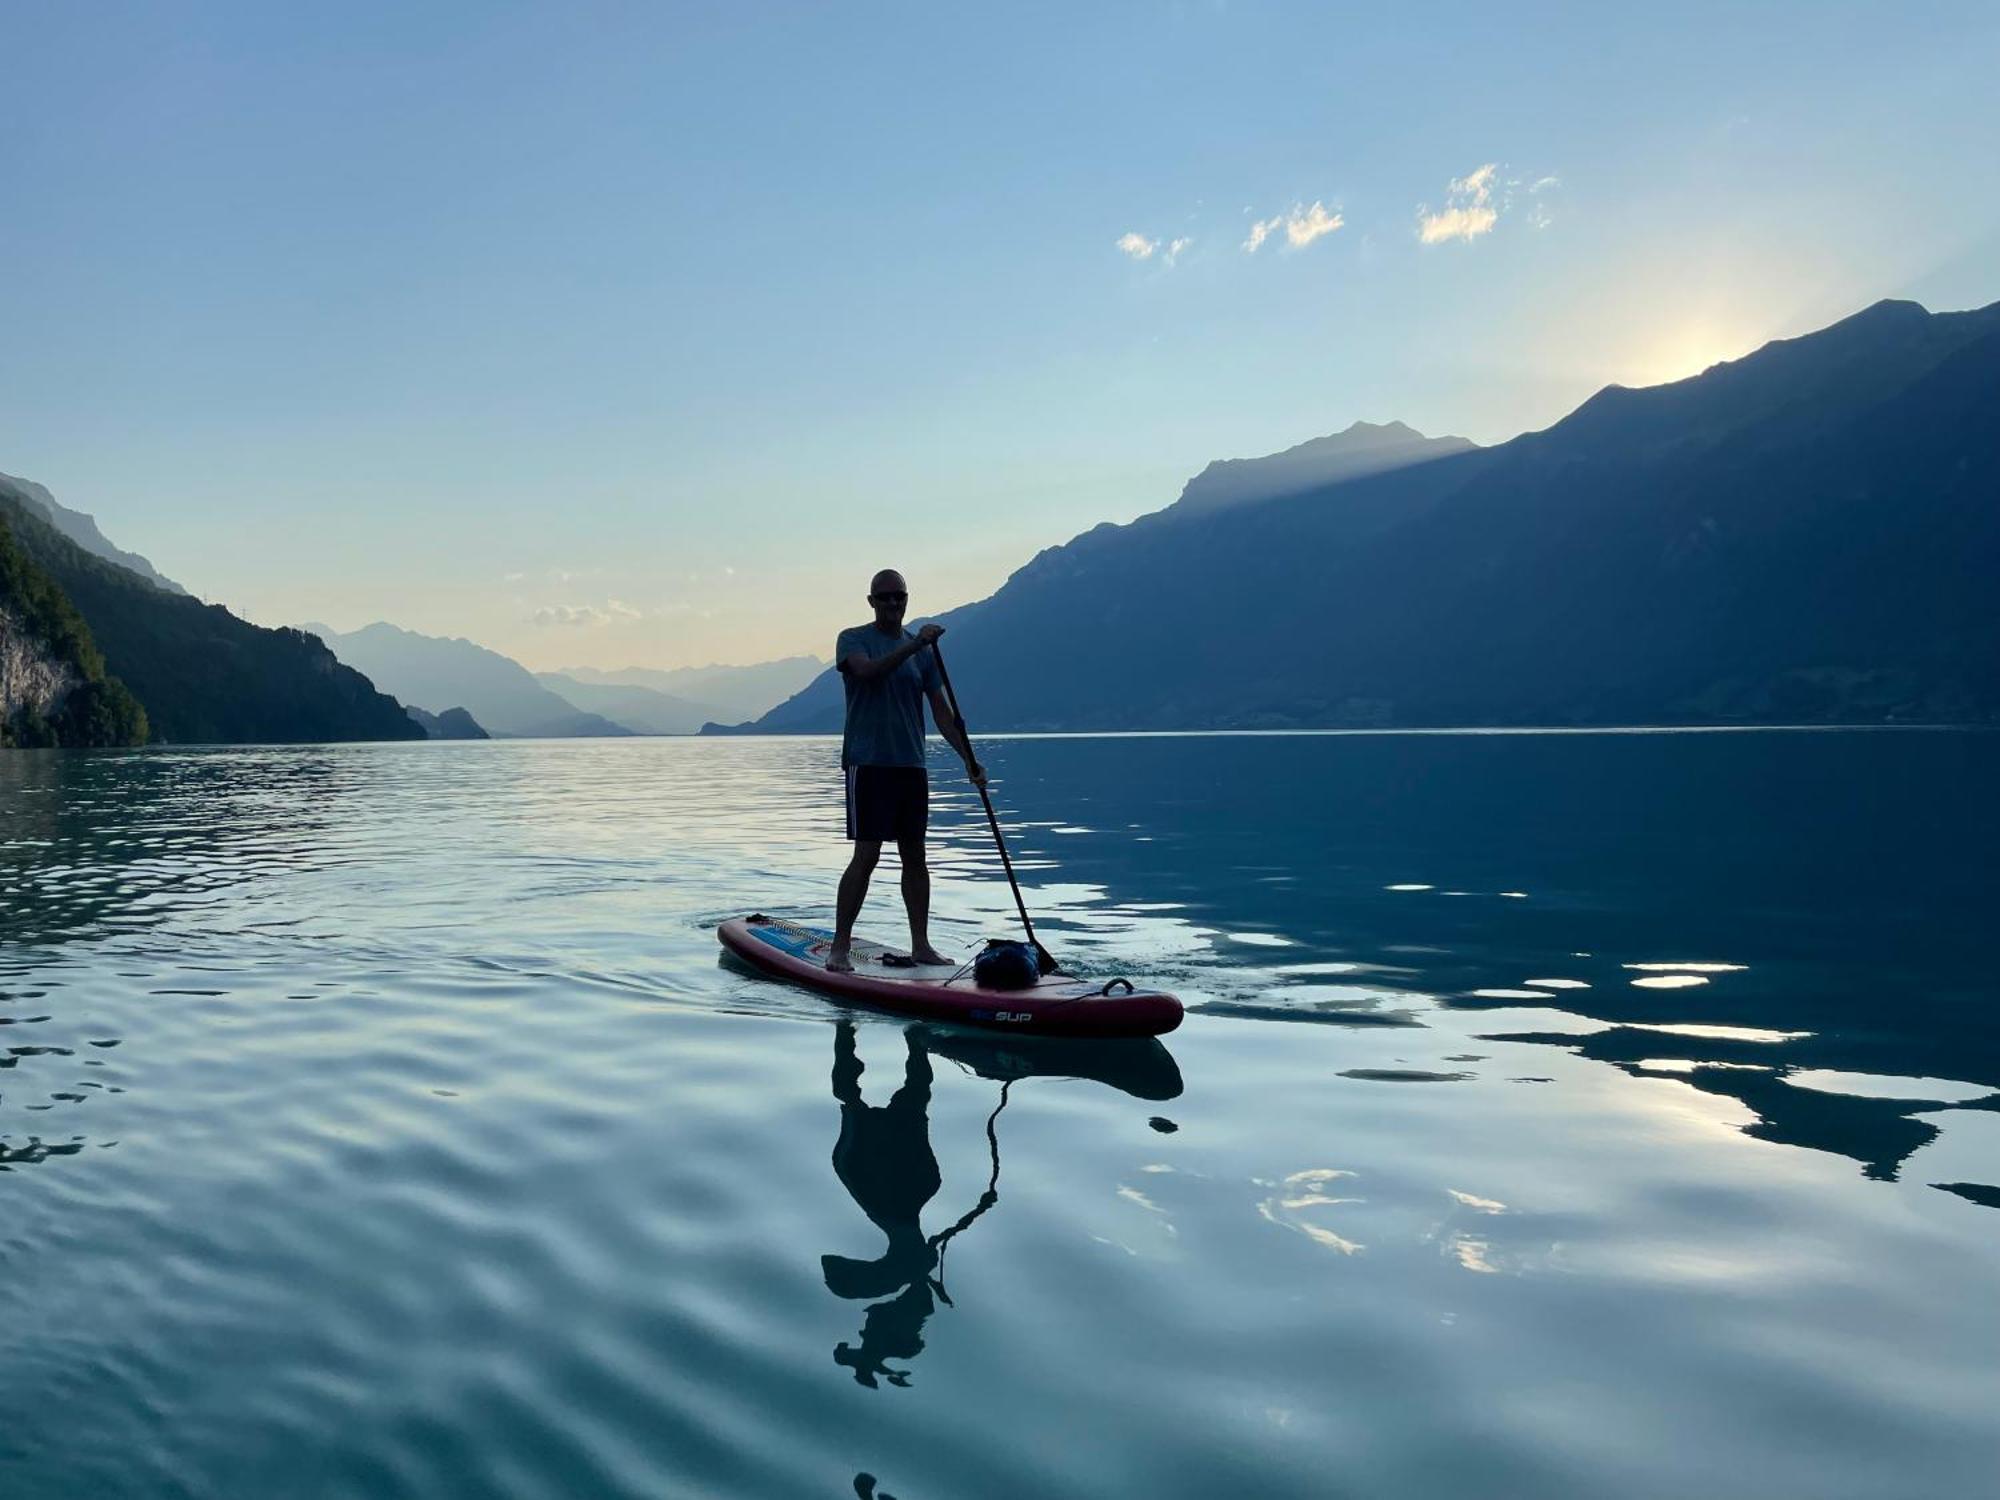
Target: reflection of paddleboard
(1140, 1066)
(1056, 1005)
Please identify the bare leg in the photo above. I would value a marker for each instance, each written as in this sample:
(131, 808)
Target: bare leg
(917, 897)
(847, 906)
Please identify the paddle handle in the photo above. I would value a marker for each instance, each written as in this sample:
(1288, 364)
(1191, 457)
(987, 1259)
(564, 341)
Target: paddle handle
(1047, 962)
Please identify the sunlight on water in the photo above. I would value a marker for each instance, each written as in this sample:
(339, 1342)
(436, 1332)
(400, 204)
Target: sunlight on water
(381, 1120)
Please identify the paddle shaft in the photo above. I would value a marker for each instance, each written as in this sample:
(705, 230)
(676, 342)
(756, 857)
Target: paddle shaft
(992, 821)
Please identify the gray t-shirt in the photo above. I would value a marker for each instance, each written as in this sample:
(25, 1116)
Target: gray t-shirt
(885, 715)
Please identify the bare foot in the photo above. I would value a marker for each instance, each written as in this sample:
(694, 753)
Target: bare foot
(838, 960)
(928, 955)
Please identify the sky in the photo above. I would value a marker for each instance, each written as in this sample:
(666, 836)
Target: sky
(641, 334)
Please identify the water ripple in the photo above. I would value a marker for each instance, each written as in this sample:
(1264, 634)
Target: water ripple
(382, 1120)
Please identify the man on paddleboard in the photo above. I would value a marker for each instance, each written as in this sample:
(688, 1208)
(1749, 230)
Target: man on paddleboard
(888, 673)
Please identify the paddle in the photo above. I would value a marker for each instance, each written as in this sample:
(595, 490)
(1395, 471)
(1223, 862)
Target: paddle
(1044, 960)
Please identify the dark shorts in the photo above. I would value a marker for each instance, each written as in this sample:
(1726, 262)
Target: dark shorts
(887, 803)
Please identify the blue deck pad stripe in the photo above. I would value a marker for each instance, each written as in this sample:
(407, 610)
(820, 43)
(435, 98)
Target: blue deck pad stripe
(796, 941)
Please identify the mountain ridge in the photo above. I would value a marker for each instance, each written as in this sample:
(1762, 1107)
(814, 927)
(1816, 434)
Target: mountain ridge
(201, 674)
(731, 691)
(82, 529)
(1688, 553)
(643, 710)
(1360, 449)
(498, 692)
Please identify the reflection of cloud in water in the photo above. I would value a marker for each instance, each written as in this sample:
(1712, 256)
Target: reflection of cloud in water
(1340, 968)
(1305, 1190)
(1475, 1252)
(1871, 1119)
(1882, 1086)
(1964, 1157)
(1670, 981)
(1351, 995)
(1689, 968)
(1133, 1195)
(1558, 984)
(1471, 1253)
(1715, 1033)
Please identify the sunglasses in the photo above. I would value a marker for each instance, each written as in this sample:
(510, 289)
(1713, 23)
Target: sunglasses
(898, 597)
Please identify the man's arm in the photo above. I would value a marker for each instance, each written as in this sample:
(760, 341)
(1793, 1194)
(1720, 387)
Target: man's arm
(864, 668)
(947, 724)
(846, 1065)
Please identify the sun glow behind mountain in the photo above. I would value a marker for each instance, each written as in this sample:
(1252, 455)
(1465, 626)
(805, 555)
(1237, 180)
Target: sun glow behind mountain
(1687, 348)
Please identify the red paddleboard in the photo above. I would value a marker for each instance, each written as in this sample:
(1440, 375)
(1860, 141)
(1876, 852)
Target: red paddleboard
(1057, 1005)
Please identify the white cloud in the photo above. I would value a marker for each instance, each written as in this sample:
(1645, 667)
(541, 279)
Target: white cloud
(568, 614)
(1476, 184)
(1302, 226)
(1457, 224)
(591, 615)
(1301, 229)
(1137, 246)
(1468, 210)
(1260, 231)
(1539, 216)
(1174, 249)
(513, 577)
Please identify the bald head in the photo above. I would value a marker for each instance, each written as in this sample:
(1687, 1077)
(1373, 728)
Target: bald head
(890, 596)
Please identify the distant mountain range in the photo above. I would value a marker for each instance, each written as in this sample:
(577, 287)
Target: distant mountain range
(452, 724)
(1809, 534)
(1806, 535)
(730, 693)
(643, 710)
(508, 700)
(432, 672)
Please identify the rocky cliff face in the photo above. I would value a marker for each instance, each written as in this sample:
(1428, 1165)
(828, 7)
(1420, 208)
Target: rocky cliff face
(33, 679)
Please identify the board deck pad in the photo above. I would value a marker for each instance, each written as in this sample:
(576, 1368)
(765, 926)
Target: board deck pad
(1058, 1004)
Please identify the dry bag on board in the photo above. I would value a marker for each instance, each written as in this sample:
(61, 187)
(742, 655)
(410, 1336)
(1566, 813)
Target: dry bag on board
(1006, 966)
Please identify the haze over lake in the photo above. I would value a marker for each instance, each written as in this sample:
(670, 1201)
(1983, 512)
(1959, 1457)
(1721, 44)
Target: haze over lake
(1557, 1115)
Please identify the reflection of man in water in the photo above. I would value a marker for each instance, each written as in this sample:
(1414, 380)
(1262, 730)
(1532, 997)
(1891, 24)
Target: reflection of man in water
(884, 1159)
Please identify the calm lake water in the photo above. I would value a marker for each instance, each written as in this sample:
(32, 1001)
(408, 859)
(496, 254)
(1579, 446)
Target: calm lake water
(1557, 1115)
